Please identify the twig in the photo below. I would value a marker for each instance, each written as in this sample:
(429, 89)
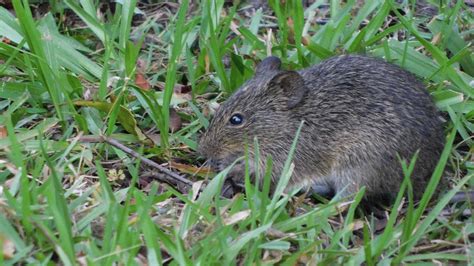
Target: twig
(101, 139)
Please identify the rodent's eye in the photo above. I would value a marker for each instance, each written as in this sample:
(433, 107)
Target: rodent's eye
(236, 119)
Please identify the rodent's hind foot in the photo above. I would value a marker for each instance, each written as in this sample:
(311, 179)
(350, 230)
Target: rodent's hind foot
(231, 188)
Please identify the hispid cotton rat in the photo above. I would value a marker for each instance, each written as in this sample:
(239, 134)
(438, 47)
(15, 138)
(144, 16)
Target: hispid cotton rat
(358, 112)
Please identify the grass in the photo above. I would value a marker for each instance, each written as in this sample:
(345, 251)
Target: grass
(75, 71)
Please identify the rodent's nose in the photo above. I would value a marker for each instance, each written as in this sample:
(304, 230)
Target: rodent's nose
(209, 153)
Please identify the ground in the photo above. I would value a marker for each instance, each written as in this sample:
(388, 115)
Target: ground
(102, 104)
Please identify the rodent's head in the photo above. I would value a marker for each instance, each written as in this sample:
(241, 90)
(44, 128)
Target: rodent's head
(261, 108)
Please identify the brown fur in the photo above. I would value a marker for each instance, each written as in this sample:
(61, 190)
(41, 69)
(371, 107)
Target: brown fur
(359, 113)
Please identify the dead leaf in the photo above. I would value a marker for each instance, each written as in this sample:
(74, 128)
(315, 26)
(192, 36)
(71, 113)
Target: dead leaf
(191, 169)
(155, 138)
(273, 233)
(290, 22)
(175, 121)
(142, 82)
(237, 217)
(210, 109)
(8, 248)
(356, 225)
(207, 63)
(6, 40)
(141, 260)
(291, 32)
(3, 132)
(436, 38)
(271, 257)
(180, 91)
(81, 259)
(305, 40)
(196, 188)
(234, 27)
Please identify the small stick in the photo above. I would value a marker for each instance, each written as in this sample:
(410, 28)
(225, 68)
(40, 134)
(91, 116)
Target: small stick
(127, 150)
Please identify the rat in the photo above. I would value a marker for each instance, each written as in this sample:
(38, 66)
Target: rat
(360, 116)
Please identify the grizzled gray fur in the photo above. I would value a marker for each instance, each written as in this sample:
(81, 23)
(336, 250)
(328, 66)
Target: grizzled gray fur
(359, 113)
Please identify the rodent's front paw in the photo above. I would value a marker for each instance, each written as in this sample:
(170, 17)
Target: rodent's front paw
(231, 187)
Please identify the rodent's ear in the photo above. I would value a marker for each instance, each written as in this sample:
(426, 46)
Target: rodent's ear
(289, 85)
(268, 64)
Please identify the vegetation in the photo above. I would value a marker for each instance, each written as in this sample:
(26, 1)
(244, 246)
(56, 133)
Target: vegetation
(78, 77)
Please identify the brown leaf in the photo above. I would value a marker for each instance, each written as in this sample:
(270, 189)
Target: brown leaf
(8, 248)
(436, 39)
(271, 257)
(6, 40)
(273, 233)
(142, 82)
(237, 217)
(81, 259)
(290, 22)
(175, 121)
(210, 108)
(305, 40)
(3, 132)
(291, 32)
(207, 63)
(179, 90)
(155, 138)
(196, 188)
(191, 169)
(234, 27)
